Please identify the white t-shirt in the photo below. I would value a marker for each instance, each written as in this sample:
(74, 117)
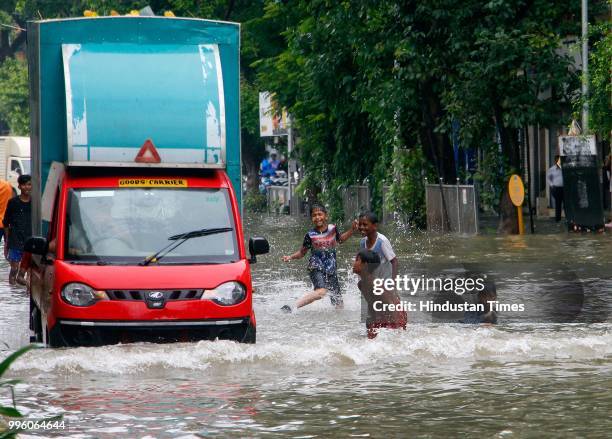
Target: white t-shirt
(383, 248)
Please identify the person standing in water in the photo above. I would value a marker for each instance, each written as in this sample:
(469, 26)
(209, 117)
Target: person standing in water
(380, 315)
(322, 241)
(18, 227)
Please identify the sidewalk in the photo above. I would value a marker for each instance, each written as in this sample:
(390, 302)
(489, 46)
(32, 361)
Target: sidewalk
(542, 225)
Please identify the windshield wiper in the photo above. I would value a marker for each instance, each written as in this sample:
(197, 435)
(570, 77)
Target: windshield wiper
(179, 239)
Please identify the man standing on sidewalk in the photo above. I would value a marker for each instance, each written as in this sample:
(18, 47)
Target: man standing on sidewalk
(555, 182)
(18, 227)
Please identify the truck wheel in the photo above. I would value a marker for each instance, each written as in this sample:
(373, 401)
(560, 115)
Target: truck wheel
(54, 337)
(36, 323)
(250, 336)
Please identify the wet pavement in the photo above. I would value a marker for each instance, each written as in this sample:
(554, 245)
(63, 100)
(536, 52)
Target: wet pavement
(314, 373)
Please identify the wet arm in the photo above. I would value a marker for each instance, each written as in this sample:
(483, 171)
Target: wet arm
(549, 177)
(346, 235)
(6, 237)
(297, 255)
(394, 269)
(6, 222)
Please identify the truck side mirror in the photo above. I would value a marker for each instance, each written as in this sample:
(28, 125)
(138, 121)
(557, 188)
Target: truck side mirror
(258, 246)
(37, 245)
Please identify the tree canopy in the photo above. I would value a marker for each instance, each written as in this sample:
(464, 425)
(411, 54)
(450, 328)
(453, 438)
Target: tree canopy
(380, 92)
(368, 81)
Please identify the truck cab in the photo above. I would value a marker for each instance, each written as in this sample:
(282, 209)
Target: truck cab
(136, 188)
(14, 158)
(150, 256)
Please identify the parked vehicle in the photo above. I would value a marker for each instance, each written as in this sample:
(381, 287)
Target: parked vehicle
(14, 158)
(136, 188)
(278, 179)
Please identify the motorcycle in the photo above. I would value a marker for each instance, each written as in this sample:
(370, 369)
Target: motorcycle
(279, 178)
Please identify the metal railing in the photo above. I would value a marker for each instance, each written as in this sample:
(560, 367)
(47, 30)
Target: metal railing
(451, 208)
(278, 199)
(355, 199)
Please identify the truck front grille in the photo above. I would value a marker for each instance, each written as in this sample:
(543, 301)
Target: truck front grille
(141, 295)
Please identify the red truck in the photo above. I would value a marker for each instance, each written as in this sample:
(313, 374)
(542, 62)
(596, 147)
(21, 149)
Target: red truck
(136, 209)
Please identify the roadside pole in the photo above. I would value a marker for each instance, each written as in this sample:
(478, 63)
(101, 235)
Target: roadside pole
(585, 66)
(289, 167)
(516, 191)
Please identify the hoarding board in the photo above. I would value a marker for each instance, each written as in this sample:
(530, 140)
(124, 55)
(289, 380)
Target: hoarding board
(271, 123)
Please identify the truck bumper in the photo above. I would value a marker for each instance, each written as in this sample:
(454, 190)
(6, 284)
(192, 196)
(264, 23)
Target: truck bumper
(68, 332)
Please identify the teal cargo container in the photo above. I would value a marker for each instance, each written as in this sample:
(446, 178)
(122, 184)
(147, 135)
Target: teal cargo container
(100, 87)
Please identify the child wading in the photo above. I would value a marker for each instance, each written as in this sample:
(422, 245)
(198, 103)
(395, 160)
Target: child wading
(18, 227)
(379, 244)
(322, 240)
(367, 265)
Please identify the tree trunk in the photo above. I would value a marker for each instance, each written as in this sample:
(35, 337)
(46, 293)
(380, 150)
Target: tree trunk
(507, 138)
(508, 220)
(7, 50)
(252, 175)
(438, 148)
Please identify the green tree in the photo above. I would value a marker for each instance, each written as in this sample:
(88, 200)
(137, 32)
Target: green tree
(367, 80)
(600, 87)
(14, 105)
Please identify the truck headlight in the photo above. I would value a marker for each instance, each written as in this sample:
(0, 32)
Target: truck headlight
(78, 294)
(229, 293)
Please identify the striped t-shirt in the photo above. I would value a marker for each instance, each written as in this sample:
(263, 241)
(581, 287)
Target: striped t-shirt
(323, 248)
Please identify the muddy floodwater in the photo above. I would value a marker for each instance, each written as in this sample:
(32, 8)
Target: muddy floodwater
(315, 374)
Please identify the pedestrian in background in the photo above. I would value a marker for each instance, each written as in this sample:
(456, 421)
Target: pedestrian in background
(555, 182)
(18, 227)
(6, 192)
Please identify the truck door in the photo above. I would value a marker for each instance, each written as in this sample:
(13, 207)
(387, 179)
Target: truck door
(42, 269)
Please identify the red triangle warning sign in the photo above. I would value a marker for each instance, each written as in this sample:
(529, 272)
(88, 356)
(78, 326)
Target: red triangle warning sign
(148, 153)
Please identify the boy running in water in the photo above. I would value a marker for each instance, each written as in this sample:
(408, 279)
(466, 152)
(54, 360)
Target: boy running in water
(367, 265)
(322, 241)
(379, 244)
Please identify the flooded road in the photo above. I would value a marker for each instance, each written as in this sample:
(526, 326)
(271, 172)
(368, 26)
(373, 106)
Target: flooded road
(314, 373)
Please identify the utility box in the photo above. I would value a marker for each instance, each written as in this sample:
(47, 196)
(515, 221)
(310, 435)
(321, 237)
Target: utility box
(581, 184)
(451, 208)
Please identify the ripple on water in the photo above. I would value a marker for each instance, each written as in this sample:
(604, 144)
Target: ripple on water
(421, 344)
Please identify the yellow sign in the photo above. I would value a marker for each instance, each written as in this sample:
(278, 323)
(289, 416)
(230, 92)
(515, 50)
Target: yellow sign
(152, 182)
(516, 190)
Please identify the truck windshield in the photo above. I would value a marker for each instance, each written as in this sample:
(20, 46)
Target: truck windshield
(126, 225)
(26, 166)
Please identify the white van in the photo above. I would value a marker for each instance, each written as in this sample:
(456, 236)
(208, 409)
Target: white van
(14, 158)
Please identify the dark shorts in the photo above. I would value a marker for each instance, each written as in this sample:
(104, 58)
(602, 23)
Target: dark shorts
(328, 281)
(14, 255)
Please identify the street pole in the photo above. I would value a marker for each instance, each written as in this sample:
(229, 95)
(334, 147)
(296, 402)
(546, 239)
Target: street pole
(289, 150)
(585, 66)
